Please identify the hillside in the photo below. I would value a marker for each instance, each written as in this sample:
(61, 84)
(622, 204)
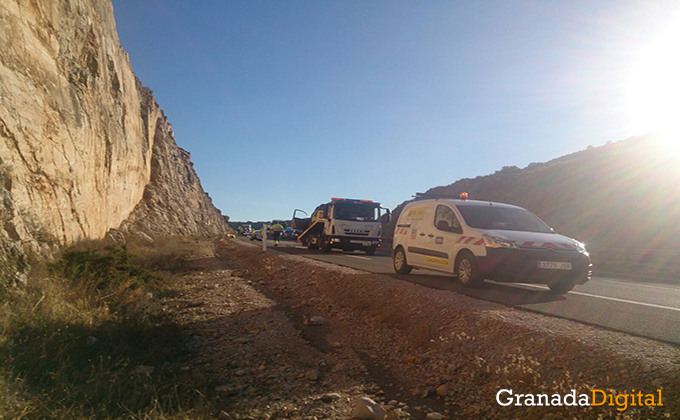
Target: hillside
(621, 199)
(84, 147)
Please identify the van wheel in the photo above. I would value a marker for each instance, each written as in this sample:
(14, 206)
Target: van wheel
(466, 270)
(399, 261)
(561, 287)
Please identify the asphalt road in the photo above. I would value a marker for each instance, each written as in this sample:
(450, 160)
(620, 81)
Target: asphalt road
(642, 308)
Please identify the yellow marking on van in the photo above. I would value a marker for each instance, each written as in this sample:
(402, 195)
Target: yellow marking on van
(437, 261)
(417, 213)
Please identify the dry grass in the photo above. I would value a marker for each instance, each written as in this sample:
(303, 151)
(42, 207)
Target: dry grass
(90, 340)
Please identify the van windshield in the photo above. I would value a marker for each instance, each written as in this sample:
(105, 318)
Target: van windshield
(502, 218)
(356, 211)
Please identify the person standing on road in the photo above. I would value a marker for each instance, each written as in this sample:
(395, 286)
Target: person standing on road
(277, 230)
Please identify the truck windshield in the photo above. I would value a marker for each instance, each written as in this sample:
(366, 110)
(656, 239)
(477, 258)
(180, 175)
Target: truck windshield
(502, 218)
(356, 211)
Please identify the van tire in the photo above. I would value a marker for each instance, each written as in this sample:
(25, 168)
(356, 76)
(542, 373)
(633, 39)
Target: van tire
(399, 261)
(561, 288)
(466, 270)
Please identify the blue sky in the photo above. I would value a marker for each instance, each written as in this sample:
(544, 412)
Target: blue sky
(285, 104)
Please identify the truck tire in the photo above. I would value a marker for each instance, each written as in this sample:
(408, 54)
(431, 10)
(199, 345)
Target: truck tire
(466, 270)
(308, 243)
(370, 250)
(399, 262)
(325, 244)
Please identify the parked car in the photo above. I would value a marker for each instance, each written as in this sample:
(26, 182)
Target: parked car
(255, 235)
(245, 230)
(290, 233)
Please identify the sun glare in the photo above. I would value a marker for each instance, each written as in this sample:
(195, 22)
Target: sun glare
(654, 96)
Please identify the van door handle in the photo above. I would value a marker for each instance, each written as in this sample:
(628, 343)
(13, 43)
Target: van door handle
(431, 235)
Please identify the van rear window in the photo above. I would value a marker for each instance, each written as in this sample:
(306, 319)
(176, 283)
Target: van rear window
(502, 218)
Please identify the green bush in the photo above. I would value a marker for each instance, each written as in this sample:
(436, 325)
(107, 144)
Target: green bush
(101, 270)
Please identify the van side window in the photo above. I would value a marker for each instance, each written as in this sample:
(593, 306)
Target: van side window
(445, 219)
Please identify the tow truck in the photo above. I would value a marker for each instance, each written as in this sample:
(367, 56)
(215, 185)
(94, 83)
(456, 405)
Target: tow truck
(342, 223)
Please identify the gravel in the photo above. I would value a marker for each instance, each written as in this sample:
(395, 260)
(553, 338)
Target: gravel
(256, 332)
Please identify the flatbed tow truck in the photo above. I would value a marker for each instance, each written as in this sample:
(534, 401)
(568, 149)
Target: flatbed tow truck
(343, 223)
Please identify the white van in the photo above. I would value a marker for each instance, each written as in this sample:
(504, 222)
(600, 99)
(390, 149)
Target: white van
(477, 240)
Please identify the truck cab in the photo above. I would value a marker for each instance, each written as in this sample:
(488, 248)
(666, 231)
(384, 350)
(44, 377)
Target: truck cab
(342, 223)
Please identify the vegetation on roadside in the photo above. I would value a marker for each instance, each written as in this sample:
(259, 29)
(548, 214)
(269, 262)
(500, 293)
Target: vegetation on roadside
(89, 338)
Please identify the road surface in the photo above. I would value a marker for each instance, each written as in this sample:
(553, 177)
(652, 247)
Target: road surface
(642, 308)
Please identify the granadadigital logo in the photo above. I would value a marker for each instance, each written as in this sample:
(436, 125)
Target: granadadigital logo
(597, 397)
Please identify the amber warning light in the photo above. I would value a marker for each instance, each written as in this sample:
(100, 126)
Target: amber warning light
(463, 196)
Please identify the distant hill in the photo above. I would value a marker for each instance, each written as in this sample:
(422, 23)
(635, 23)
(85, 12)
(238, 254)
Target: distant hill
(621, 199)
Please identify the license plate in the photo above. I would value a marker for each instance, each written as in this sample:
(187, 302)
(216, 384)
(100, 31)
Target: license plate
(554, 265)
(364, 243)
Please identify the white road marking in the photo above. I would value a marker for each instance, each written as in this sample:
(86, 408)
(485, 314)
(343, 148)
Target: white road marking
(643, 285)
(651, 305)
(301, 247)
(361, 258)
(632, 302)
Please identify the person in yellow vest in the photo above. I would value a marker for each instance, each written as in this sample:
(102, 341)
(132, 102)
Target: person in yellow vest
(277, 231)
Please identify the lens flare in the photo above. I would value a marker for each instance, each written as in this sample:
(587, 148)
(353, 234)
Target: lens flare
(654, 90)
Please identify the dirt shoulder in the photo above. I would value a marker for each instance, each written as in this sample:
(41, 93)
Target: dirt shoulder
(282, 336)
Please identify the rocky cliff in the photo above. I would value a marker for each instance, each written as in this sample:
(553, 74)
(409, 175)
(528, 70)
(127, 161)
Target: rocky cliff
(83, 146)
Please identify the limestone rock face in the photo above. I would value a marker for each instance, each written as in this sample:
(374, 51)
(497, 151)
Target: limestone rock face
(82, 143)
(174, 202)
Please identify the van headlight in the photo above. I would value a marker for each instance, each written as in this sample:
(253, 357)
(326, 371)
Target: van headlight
(580, 247)
(492, 241)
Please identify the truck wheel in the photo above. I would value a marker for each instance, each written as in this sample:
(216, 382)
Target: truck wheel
(325, 244)
(466, 270)
(370, 251)
(309, 244)
(561, 287)
(399, 262)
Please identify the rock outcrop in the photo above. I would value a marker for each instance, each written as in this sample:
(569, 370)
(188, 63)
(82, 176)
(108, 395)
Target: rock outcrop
(174, 201)
(83, 146)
